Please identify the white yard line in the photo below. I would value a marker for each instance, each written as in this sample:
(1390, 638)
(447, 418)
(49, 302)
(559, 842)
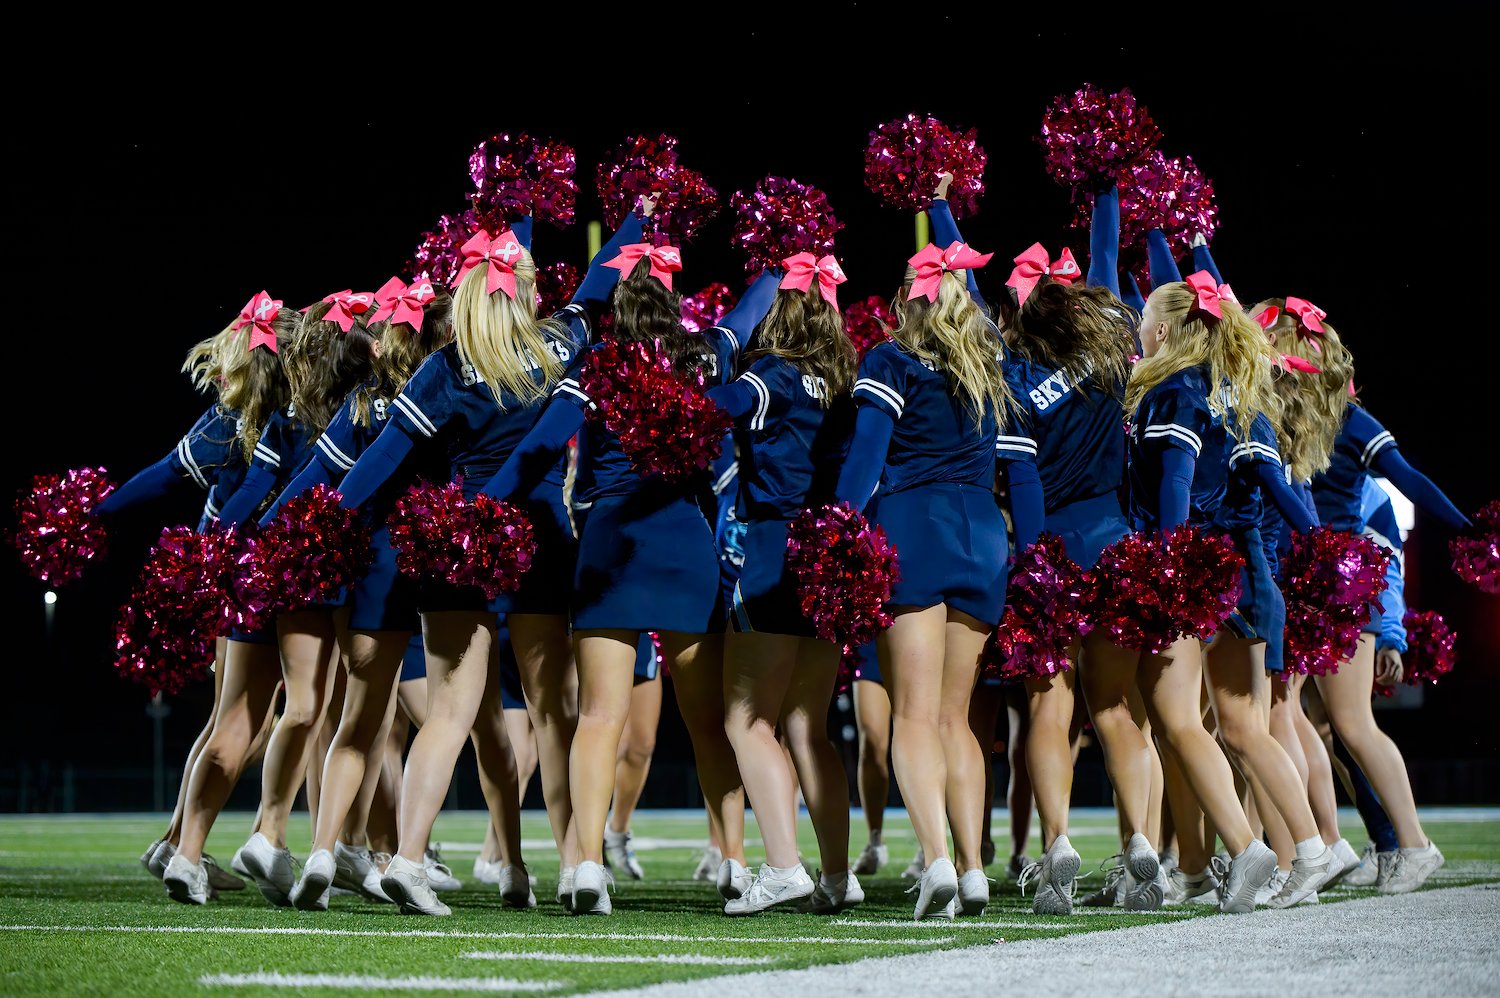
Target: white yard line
(693, 959)
(366, 982)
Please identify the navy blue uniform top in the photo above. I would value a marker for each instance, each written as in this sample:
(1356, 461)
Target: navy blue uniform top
(1074, 431)
(936, 439)
(1175, 415)
(1242, 505)
(1339, 490)
(729, 529)
(208, 456)
(285, 446)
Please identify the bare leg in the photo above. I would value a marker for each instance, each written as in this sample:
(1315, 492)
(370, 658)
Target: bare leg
(911, 660)
(174, 827)
(1107, 674)
(606, 671)
(984, 714)
(523, 745)
(872, 716)
(550, 682)
(637, 746)
(497, 766)
(698, 680)
(1320, 792)
(964, 638)
(1049, 757)
(821, 773)
(1019, 798)
(758, 670)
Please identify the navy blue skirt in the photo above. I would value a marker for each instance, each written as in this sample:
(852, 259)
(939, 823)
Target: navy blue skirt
(1261, 612)
(1088, 526)
(385, 599)
(951, 548)
(765, 597)
(414, 660)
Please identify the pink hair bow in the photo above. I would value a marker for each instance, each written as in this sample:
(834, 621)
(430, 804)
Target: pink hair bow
(1309, 316)
(1211, 294)
(499, 255)
(803, 267)
(1266, 318)
(259, 312)
(1034, 264)
(665, 260)
(346, 305)
(1292, 362)
(403, 302)
(932, 263)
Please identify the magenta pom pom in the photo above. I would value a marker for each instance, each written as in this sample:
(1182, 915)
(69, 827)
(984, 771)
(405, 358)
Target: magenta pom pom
(781, 218)
(1206, 580)
(1476, 552)
(438, 254)
(517, 175)
(1429, 647)
(313, 549)
(555, 284)
(438, 533)
(164, 635)
(1046, 610)
(868, 323)
(638, 166)
(1134, 594)
(1089, 134)
(905, 156)
(686, 204)
(1168, 194)
(705, 308)
(57, 531)
(666, 424)
(421, 521)
(1332, 580)
(844, 568)
(155, 650)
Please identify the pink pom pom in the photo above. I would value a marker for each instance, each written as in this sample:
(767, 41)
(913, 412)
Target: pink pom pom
(421, 521)
(1206, 580)
(905, 156)
(868, 323)
(555, 284)
(164, 636)
(313, 549)
(1476, 552)
(665, 423)
(156, 650)
(1168, 194)
(482, 542)
(1429, 647)
(844, 568)
(1331, 581)
(638, 166)
(517, 175)
(1046, 610)
(780, 218)
(686, 204)
(705, 308)
(1089, 134)
(438, 254)
(57, 531)
(1134, 594)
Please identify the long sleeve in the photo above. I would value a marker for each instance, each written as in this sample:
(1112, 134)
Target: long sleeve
(1393, 608)
(1274, 487)
(259, 481)
(600, 280)
(314, 473)
(1104, 241)
(753, 305)
(1204, 260)
(1028, 502)
(736, 398)
(537, 454)
(873, 428)
(522, 229)
(1305, 493)
(945, 234)
(1175, 493)
(146, 485)
(1418, 488)
(1159, 255)
(1130, 292)
(376, 465)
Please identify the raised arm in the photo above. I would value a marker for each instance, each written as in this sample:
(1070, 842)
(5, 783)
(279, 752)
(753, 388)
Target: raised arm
(600, 280)
(1130, 292)
(1104, 240)
(1203, 259)
(945, 229)
(740, 321)
(1159, 255)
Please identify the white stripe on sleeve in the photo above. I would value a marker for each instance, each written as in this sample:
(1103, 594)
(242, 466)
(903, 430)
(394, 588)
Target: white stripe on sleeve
(883, 392)
(1024, 445)
(763, 400)
(417, 416)
(1378, 443)
(1177, 431)
(335, 455)
(185, 455)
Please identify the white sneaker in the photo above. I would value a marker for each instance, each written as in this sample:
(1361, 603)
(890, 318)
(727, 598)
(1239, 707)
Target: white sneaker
(833, 895)
(1411, 868)
(619, 856)
(733, 879)
(935, 890)
(1016, 867)
(1365, 870)
(915, 868)
(565, 886)
(1111, 894)
(973, 893)
(1349, 861)
(1202, 889)
(708, 864)
(591, 883)
(1242, 876)
(219, 878)
(486, 872)
(1271, 887)
(769, 888)
(355, 870)
(1147, 886)
(318, 875)
(515, 887)
(871, 859)
(146, 857)
(160, 858)
(270, 868)
(1056, 876)
(186, 882)
(405, 883)
(237, 862)
(1176, 886)
(438, 875)
(1306, 878)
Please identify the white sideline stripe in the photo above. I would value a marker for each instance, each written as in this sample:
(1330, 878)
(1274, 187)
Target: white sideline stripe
(654, 937)
(366, 982)
(1040, 922)
(689, 958)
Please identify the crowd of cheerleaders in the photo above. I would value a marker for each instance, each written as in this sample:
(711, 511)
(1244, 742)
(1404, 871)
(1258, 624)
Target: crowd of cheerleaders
(1239, 422)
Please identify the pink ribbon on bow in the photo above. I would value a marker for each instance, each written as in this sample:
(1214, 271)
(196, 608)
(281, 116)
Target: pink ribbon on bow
(346, 305)
(1034, 264)
(499, 255)
(1309, 316)
(932, 263)
(1211, 294)
(403, 302)
(1266, 318)
(665, 261)
(1292, 362)
(803, 267)
(259, 312)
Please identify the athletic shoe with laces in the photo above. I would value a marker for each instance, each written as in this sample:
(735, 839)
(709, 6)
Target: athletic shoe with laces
(619, 856)
(186, 883)
(515, 887)
(733, 879)
(160, 858)
(1016, 867)
(146, 856)
(833, 895)
(770, 888)
(1365, 871)
(219, 878)
(1056, 877)
(1242, 876)
(1110, 895)
(565, 886)
(915, 868)
(1176, 886)
(1411, 868)
(270, 868)
(1271, 887)
(438, 874)
(1306, 878)
(237, 862)
(356, 870)
(1146, 884)
(935, 890)
(973, 893)
(1349, 862)
(405, 883)
(871, 859)
(1202, 889)
(486, 872)
(318, 875)
(708, 865)
(591, 884)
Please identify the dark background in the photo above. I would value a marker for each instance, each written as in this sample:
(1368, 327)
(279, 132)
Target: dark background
(156, 181)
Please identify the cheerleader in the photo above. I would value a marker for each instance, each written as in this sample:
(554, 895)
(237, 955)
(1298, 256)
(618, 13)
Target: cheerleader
(646, 562)
(793, 416)
(633, 762)
(930, 406)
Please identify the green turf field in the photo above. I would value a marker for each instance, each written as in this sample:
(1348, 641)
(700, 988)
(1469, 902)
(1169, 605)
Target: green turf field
(82, 917)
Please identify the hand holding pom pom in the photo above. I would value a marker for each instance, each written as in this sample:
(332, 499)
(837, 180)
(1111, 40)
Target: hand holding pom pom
(57, 531)
(844, 568)
(314, 548)
(637, 168)
(1088, 135)
(1046, 610)
(1331, 581)
(781, 218)
(1476, 552)
(905, 157)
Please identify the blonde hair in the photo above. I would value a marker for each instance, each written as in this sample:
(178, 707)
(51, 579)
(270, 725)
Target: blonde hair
(808, 333)
(402, 350)
(324, 364)
(953, 335)
(251, 383)
(1233, 348)
(500, 337)
(1313, 406)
